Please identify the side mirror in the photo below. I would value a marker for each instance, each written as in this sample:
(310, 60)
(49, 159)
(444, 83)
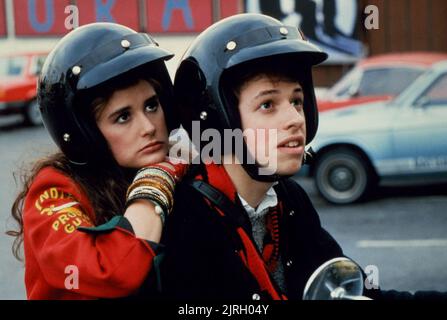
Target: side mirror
(336, 279)
(422, 102)
(353, 91)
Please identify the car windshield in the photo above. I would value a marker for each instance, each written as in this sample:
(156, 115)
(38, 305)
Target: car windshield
(12, 66)
(387, 81)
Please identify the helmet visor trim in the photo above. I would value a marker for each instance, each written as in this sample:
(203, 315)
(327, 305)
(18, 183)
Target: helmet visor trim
(257, 37)
(113, 49)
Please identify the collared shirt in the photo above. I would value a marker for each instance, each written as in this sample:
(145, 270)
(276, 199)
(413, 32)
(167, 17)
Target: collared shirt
(257, 217)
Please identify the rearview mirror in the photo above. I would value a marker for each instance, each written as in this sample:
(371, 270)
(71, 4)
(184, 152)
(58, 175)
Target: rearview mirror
(336, 279)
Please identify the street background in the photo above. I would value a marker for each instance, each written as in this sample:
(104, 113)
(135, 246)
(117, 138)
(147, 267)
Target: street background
(401, 231)
(413, 221)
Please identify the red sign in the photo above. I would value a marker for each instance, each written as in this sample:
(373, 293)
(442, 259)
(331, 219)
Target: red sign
(178, 15)
(47, 17)
(122, 12)
(230, 7)
(40, 17)
(2, 19)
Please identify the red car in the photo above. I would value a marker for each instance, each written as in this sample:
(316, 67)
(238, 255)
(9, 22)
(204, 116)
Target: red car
(18, 79)
(378, 78)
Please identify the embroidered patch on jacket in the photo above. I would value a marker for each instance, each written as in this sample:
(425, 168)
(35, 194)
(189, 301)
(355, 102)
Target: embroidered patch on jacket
(66, 216)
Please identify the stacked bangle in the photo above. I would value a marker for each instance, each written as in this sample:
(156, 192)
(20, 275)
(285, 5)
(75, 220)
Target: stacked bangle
(156, 184)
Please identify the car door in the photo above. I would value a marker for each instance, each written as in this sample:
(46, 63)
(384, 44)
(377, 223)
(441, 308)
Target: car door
(420, 131)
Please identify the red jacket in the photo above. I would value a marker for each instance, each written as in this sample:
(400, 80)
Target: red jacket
(66, 256)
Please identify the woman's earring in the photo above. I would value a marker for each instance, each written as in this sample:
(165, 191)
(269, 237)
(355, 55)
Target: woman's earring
(203, 115)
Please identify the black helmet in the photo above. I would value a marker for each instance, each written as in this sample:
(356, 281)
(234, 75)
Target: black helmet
(85, 59)
(227, 45)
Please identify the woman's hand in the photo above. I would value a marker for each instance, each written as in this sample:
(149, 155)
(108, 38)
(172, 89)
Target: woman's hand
(176, 167)
(150, 197)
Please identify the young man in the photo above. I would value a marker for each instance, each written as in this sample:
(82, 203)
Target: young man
(241, 229)
(235, 231)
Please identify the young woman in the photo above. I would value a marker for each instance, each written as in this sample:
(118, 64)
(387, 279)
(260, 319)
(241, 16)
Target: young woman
(249, 232)
(91, 216)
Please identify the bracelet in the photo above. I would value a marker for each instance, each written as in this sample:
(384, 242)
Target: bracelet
(153, 169)
(156, 184)
(153, 182)
(148, 179)
(150, 174)
(147, 192)
(157, 190)
(161, 213)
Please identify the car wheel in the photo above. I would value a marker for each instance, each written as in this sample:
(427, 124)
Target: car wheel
(343, 176)
(32, 114)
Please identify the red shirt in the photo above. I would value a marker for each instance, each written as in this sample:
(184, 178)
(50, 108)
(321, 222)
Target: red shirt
(64, 262)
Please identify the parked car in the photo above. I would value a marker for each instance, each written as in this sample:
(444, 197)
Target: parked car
(378, 78)
(18, 80)
(397, 142)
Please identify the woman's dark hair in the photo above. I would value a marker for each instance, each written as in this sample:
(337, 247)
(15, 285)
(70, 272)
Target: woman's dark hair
(105, 184)
(105, 189)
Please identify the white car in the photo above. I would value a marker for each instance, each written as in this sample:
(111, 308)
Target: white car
(399, 142)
